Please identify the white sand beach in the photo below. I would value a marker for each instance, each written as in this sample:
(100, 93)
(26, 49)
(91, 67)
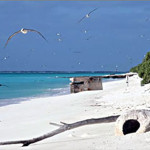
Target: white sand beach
(29, 119)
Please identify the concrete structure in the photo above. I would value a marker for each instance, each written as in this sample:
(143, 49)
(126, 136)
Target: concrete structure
(86, 83)
(79, 84)
(133, 121)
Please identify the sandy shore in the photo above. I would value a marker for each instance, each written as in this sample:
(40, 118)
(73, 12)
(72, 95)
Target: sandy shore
(28, 119)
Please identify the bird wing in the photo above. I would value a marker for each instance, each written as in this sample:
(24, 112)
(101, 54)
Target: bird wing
(31, 30)
(11, 37)
(92, 11)
(81, 19)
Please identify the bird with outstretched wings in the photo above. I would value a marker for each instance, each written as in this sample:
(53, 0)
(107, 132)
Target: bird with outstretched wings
(87, 15)
(24, 31)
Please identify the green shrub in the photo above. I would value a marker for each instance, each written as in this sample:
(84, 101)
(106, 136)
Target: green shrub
(143, 69)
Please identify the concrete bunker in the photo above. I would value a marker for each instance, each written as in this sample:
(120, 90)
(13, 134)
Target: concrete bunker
(79, 84)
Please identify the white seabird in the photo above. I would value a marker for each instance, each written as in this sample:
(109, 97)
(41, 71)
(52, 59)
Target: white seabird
(24, 31)
(87, 15)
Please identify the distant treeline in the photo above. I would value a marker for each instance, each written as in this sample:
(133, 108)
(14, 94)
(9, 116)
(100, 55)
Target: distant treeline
(143, 69)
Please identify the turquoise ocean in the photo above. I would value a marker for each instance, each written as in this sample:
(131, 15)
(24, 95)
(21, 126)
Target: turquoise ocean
(25, 85)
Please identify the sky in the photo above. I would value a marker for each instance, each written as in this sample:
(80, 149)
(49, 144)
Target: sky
(115, 36)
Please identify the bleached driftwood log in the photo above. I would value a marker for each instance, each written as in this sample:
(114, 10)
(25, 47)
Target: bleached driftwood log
(62, 128)
(133, 121)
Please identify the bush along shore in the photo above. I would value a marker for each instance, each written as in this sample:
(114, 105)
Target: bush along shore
(143, 69)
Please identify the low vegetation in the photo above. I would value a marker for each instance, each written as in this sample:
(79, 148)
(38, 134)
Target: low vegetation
(143, 69)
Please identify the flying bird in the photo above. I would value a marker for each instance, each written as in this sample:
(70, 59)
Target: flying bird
(87, 15)
(24, 31)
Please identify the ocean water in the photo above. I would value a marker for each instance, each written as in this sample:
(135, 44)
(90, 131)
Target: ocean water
(25, 85)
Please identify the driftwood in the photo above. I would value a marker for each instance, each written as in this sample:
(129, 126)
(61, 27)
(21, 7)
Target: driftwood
(62, 128)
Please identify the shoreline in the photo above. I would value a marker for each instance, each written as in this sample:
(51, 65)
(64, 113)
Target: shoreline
(35, 85)
(65, 91)
(31, 118)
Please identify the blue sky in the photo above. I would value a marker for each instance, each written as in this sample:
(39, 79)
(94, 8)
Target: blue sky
(117, 34)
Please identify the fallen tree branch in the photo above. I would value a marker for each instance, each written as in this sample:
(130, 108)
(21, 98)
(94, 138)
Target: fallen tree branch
(62, 128)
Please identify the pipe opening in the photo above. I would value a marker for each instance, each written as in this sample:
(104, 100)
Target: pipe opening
(130, 126)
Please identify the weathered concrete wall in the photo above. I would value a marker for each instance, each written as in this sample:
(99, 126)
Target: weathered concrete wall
(85, 84)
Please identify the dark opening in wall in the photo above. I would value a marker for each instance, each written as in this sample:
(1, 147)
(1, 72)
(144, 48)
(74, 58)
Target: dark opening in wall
(130, 126)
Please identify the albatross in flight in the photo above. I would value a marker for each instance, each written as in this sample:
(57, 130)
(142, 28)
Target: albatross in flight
(24, 31)
(87, 15)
